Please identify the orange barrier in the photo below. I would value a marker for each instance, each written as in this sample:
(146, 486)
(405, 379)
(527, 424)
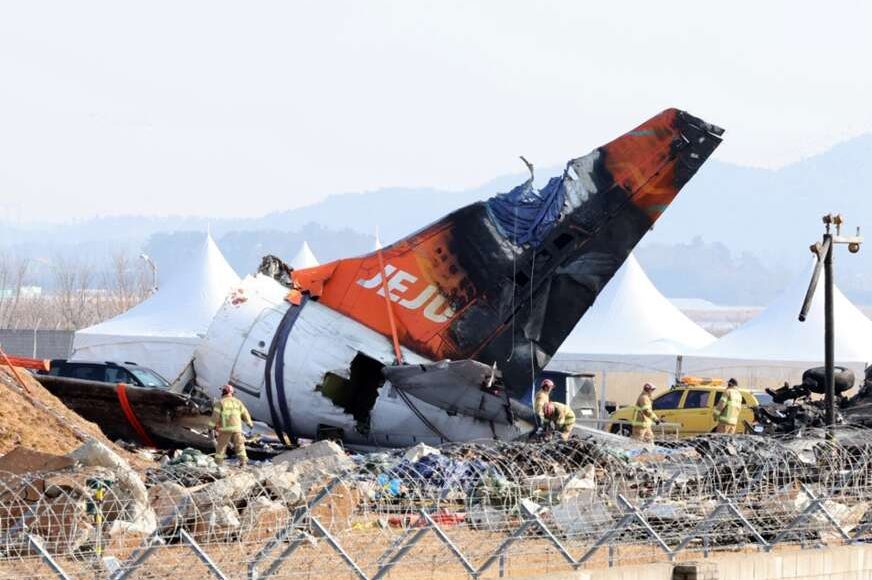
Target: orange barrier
(121, 389)
(14, 370)
(36, 364)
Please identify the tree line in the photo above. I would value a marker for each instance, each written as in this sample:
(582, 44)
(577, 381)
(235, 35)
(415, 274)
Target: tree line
(82, 293)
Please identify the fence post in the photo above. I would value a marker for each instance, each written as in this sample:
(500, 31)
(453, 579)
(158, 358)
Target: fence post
(202, 555)
(36, 544)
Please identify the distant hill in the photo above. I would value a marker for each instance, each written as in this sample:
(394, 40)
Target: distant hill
(769, 217)
(244, 249)
(771, 213)
(733, 236)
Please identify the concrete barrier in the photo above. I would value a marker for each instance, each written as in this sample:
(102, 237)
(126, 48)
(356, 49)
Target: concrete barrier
(834, 563)
(654, 571)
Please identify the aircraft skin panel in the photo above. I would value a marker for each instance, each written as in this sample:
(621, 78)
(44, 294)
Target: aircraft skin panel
(466, 287)
(325, 340)
(321, 341)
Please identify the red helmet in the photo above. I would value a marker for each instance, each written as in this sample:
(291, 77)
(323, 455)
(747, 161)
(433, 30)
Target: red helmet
(649, 387)
(549, 409)
(227, 389)
(546, 383)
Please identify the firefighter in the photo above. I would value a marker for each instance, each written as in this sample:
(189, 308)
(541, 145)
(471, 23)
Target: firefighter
(540, 399)
(644, 416)
(228, 414)
(726, 412)
(561, 418)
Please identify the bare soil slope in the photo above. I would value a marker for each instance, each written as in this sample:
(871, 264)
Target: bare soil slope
(39, 420)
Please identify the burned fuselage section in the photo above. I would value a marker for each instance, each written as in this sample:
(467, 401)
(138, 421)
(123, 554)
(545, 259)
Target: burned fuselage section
(355, 389)
(464, 387)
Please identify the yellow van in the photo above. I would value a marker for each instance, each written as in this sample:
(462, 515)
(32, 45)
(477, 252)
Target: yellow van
(690, 406)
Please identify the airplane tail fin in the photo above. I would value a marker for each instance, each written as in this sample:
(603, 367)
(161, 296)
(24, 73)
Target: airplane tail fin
(505, 280)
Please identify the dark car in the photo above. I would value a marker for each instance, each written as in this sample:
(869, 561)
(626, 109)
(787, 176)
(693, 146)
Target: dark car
(108, 372)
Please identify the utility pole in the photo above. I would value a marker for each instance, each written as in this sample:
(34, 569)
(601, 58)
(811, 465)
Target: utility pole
(823, 250)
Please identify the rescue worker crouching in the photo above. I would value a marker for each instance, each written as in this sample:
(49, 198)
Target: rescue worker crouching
(726, 412)
(228, 414)
(542, 398)
(561, 418)
(643, 416)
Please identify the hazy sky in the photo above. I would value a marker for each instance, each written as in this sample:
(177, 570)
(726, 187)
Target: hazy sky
(240, 109)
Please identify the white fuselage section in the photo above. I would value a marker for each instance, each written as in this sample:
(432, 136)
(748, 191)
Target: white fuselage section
(321, 346)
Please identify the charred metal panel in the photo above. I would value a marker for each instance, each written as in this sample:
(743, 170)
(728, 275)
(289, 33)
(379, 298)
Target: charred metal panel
(459, 387)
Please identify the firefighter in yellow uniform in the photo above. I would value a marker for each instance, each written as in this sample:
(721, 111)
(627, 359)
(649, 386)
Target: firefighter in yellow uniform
(728, 408)
(644, 416)
(561, 417)
(541, 398)
(228, 414)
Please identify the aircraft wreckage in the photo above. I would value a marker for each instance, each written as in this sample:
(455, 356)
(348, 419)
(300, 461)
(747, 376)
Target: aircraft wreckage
(351, 349)
(794, 408)
(440, 336)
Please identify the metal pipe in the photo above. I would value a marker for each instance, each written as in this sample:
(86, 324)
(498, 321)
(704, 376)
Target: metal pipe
(829, 323)
(35, 329)
(819, 251)
(398, 353)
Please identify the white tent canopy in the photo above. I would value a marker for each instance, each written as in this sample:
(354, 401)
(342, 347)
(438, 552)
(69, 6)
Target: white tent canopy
(163, 331)
(631, 317)
(776, 334)
(304, 258)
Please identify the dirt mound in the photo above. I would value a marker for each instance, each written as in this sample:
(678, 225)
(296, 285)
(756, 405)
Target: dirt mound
(40, 421)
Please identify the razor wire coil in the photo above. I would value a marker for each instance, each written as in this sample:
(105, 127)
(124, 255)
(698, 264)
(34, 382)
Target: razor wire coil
(471, 509)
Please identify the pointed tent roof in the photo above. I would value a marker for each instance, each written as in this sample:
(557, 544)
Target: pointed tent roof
(176, 316)
(631, 317)
(776, 333)
(304, 258)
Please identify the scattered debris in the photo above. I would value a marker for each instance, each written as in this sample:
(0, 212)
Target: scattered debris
(577, 489)
(312, 463)
(794, 410)
(129, 484)
(190, 458)
(418, 451)
(262, 518)
(276, 269)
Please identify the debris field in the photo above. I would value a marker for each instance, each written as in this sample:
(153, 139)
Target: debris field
(90, 508)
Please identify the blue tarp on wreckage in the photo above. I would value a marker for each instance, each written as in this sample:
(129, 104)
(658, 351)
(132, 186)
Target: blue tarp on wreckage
(525, 215)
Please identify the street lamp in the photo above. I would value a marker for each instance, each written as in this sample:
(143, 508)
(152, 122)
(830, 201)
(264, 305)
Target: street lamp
(153, 267)
(823, 250)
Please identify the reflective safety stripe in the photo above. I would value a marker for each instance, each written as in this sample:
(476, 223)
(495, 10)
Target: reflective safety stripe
(562, 416)
(640, 419)
(229, 414)
(732, 407)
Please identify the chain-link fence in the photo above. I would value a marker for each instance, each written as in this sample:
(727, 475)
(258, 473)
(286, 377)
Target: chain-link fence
(464, 510)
